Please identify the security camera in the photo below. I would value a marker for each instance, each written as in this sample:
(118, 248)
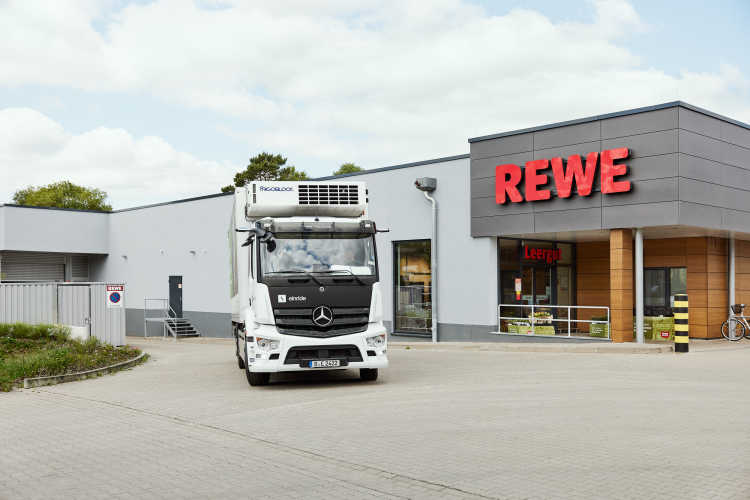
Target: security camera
(426, 184)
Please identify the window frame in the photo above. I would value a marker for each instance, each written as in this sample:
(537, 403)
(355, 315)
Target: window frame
(394, 288)
(668, 286)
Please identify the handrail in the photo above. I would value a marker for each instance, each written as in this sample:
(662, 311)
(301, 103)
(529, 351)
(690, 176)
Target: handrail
(165, 307)
(532, 319)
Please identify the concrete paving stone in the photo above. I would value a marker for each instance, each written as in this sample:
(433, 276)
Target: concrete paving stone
(440, 423)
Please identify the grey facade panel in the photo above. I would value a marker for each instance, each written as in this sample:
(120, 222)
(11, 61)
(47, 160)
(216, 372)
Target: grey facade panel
(645, 215)
(705, 193)
(503, 146)
(693, 214)
(736, 177)
(735, 220)
(641, 123)
(652, 167)
(483, 188)
(735, 134)
(502, 225)
(645, 191)
(568, 220)
(700, 123)
(485, 207)
(564, 151)
(485, 167)
(650, 144)
(563, 136)
(694, 167)
(714, 149)
(575, 202)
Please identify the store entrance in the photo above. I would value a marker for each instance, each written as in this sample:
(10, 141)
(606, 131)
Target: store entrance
(536, 273)
(536, 285)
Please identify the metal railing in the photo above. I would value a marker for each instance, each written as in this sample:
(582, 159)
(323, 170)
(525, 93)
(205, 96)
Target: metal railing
(165, 312)
(530, 322)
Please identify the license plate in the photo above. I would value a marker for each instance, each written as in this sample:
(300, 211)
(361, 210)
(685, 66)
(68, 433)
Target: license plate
(326, 363)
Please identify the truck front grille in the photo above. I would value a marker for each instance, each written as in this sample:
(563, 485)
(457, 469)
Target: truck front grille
(298, 321)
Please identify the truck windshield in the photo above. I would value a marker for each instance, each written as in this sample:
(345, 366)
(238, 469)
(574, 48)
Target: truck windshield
(320, 253)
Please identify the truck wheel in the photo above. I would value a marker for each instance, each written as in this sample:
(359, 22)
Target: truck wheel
(368, 374)
(256, 379)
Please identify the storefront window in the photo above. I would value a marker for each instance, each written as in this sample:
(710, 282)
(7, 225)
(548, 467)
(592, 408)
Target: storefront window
(413, 311)
(545, 274)
(660, 285)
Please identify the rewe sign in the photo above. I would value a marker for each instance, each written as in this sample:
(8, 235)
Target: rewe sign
(508, 176)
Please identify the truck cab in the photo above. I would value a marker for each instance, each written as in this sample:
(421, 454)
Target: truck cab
(305, 280)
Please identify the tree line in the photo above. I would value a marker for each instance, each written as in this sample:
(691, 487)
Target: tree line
(65, 194)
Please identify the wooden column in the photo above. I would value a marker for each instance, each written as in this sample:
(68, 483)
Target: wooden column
(621, 284)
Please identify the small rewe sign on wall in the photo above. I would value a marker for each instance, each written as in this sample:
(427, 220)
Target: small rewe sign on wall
(115, 295)
(508, 176)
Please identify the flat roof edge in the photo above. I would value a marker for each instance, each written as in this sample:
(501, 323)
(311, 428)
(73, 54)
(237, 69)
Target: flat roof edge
(395, 167)
(15, 205)
(634, 111)
(174, 202)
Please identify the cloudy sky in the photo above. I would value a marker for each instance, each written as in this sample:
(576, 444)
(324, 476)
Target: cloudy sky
(164, 99)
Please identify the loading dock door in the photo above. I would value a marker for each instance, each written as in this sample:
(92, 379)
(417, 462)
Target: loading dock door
(74, 306)
(175, 295)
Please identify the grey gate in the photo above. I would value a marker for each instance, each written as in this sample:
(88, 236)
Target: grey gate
(74, 305)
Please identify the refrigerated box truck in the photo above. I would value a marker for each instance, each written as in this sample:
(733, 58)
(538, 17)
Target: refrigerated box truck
(305, 289)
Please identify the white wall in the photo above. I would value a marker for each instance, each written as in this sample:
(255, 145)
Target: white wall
(467, 282)
(52, 230)
(158, 241)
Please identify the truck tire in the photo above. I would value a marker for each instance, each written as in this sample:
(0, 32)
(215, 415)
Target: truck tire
(256, 379)
(368, 374)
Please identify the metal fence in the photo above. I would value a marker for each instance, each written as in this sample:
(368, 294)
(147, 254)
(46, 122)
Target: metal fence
(74, 304)
(543, 321)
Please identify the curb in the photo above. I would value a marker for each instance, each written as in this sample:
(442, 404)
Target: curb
(29, 383)
(593, 347)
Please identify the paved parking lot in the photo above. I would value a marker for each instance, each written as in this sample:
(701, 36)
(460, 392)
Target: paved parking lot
(438, 424)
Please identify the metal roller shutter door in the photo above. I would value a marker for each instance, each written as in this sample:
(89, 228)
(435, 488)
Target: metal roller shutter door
(32, 266)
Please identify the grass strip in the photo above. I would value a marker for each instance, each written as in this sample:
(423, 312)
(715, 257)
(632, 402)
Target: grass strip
(44, 350)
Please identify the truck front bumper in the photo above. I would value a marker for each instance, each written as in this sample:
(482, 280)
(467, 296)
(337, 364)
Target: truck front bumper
(272, 361)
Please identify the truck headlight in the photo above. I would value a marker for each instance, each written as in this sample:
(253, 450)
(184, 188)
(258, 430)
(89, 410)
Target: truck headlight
(377, 341)
(266, 344)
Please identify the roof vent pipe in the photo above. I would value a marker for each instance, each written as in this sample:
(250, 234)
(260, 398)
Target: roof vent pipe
(427, 185)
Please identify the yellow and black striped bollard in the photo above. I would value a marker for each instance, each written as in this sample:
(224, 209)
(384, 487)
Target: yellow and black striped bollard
(681, 337)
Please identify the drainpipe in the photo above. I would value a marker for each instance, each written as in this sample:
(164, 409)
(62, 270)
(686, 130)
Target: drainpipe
(639, 286)
(428, 185)
(731, 274)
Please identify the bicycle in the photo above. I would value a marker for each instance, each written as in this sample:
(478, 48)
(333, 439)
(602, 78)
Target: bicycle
(736, 327)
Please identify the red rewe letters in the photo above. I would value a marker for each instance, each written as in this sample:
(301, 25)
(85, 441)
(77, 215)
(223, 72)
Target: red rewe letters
(533, 180)
(610, 170)
(584, 178)
(508, 176)
(504, 185)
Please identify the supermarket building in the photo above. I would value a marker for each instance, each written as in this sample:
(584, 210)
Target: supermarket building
(567, 214)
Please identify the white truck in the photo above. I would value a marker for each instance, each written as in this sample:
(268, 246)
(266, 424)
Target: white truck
(305, 290)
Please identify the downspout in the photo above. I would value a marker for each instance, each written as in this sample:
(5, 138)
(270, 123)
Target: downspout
(639, 337)
(433, 266)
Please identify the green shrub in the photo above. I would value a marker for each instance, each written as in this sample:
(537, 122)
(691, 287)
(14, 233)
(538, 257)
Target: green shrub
(44, 350)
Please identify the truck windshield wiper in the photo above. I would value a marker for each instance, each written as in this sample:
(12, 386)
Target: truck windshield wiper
(298, 271)
(331, 271)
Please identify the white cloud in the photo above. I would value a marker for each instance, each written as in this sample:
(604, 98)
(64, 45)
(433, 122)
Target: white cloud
(373, 82)
(36, 150)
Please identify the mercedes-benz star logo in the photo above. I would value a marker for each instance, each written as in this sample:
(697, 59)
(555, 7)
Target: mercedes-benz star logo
(322, 316)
